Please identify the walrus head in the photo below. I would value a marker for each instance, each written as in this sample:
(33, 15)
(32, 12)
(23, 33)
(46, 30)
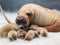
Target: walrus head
(24, 17)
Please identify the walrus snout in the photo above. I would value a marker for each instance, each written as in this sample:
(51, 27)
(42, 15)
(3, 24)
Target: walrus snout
(21, 20)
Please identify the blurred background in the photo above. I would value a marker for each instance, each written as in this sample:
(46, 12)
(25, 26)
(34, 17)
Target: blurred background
(14, 5)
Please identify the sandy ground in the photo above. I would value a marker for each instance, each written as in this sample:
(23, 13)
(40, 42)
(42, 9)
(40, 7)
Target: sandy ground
(52, 39)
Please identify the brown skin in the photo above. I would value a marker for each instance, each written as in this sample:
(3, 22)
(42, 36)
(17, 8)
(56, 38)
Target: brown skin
(12, 35)
(31, 34)
(55, 27)
(40, 30)
(6, 28)
(21, 33)
(33, 27)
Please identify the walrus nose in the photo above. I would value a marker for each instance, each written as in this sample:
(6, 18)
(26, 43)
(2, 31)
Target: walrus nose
(21, 21)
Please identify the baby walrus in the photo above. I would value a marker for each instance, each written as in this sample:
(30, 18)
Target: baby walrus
(40, 30)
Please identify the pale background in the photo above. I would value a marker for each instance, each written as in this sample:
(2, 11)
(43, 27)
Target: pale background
(11, 6)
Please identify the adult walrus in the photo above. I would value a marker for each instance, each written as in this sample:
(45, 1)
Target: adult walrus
(41, 16)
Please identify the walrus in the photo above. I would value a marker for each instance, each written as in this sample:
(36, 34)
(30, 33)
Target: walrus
(38, 15)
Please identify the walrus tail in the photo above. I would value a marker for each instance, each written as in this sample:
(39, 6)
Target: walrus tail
(4, 15)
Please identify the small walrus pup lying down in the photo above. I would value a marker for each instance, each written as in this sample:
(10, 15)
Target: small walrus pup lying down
(38, 15)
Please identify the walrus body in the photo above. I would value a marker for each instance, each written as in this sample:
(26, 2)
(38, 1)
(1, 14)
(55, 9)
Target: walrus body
(40, 16)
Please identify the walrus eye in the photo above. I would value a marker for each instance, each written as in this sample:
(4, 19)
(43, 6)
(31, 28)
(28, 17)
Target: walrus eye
(29, 14)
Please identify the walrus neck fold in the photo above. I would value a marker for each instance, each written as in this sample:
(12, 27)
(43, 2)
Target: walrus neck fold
(43, 16)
